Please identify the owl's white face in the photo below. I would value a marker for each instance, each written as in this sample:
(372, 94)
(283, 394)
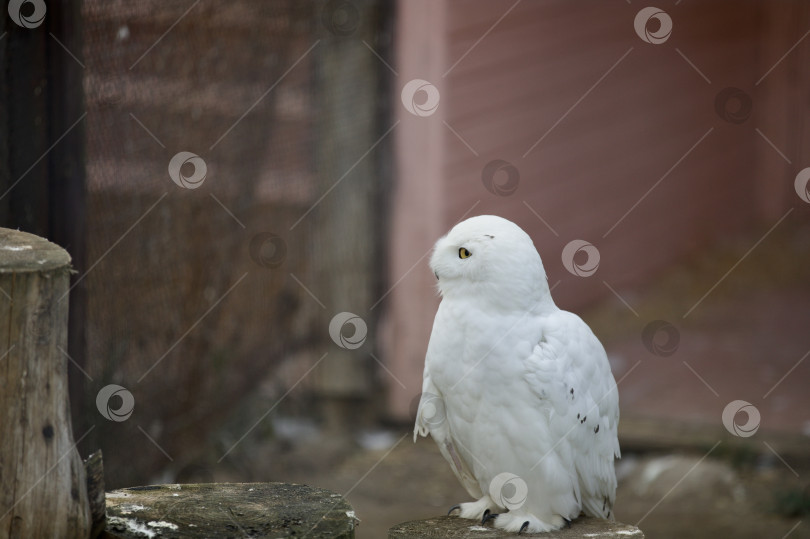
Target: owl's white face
(489, 257)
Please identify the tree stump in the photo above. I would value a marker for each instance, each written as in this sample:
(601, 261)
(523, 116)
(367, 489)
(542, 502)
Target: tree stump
(457, 528)
(42, 481)
(214, 510)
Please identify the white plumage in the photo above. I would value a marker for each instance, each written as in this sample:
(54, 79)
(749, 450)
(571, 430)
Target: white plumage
(514, 386)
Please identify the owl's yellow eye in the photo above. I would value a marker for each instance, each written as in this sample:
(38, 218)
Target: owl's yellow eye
(464, 253)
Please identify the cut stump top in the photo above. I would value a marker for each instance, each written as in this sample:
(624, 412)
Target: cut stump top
(21, 252)
(457, 528)
(214, 510)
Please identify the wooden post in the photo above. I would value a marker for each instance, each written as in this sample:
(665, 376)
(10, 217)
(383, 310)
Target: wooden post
(42, 481)
(454, 527)
(228, 510)
(67, 204)
(94, 470)
(42, 167)
(346, 222)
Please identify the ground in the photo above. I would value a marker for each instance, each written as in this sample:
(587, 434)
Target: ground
(412, 481)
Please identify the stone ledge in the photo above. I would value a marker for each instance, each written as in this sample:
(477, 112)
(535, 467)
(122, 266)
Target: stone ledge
(228, 510)
(457, 528)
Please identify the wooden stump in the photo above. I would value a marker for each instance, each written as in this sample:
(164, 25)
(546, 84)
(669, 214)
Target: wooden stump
(214, 510)
(42, 481)
(94, 470)
(457, 528)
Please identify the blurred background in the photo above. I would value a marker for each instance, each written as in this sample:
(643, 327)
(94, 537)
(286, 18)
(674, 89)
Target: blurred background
(250, 191)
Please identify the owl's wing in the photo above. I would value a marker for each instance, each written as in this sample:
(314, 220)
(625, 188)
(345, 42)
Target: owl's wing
(569, 370)
(431, 418)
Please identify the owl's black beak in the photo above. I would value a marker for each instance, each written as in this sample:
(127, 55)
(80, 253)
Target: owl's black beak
(436, 273)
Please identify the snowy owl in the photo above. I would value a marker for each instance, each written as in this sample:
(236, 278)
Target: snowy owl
(517, 394)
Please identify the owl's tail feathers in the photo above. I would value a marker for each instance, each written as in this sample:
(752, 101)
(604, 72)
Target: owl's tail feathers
(419, 430)
(599, 507)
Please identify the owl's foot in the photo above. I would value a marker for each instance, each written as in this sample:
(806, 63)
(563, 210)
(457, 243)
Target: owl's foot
(522, 522)
(488, 515)
(477, 510)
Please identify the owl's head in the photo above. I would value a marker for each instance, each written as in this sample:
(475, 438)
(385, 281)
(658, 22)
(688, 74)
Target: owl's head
(489, 257)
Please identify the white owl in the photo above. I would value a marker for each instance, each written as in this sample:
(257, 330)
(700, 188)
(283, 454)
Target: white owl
(517, 394)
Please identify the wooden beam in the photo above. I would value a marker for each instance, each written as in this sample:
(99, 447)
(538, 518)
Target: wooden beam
(67, 199)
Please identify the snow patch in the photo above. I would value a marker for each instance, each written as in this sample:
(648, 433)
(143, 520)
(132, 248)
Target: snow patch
(353, 519)
(129, 508)
(131, 524)
(617, 532)
(17, 247)
(162, 524)
(295, 429)
(653, 469)
(378, 440)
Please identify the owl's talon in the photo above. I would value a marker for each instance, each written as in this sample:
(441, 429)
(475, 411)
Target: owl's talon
(488, 515)
(454, 508)
(523, 528)
(567, 522)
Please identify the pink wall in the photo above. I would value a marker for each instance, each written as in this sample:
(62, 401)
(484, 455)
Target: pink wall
(418, 212)
(602, 128)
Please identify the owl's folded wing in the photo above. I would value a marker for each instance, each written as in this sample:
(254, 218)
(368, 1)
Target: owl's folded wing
(569, 370)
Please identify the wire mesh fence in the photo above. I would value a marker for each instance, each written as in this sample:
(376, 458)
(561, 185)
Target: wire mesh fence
(205, 231)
